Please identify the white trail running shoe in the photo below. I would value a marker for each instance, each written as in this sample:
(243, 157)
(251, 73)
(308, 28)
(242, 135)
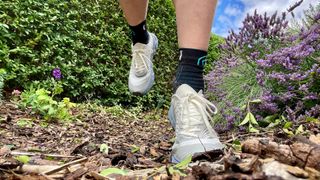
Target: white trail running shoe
(141, 76)
(190, 115)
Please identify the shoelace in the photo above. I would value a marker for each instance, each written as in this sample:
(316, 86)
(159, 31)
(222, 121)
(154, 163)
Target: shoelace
(140, 63)
(205, 108)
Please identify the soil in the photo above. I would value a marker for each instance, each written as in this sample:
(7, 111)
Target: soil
(141, 147)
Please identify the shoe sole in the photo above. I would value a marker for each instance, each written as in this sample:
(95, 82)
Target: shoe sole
(150, 84)
(191, 147)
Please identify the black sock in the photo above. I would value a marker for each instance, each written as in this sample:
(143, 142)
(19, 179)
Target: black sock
(190, 69)
(139, 33)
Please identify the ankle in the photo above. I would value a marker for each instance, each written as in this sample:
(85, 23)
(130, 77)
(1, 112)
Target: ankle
(190, 69)
(139, 33)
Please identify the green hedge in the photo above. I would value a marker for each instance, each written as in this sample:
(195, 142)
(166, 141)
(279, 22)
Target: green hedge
(89, 41)
(214, 51)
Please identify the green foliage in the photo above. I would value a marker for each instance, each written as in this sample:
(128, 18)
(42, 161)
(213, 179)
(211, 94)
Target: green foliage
(89, 41)
(40, 102)
(23, 159)
(24, 122)
(249, 118)
(109, 171)
(135, 148)
(214, 51)
(240, 86)
(175, 169)
(2, 78)
(104, 148)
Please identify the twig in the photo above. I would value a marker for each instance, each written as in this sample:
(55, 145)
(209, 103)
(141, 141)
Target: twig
(291, 8)
(64, 166)
(4, 170)
(16, 153)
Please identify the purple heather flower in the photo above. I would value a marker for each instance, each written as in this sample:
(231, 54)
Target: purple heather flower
(317, 17)
(291, 115)
(303, 88)
(56, 73)
(284, 74)
(287, 96)
(311, 96)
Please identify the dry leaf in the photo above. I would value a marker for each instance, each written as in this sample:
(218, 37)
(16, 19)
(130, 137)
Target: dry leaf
(315, 139)
(153, 152)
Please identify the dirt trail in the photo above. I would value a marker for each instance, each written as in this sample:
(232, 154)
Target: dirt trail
(142, 147)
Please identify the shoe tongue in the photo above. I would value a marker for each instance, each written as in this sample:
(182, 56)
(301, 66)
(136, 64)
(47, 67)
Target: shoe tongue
(185, 90)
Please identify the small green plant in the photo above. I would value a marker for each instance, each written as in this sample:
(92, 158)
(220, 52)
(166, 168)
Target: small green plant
(135, 148)
(174, 169)
(116, 110)
(249, 118)
(180, 167)
(236, 145)
(23, 159)
(41, 102)
(104, 148)
(24, 122)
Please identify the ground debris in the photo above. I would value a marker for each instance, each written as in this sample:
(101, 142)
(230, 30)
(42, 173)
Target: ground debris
(141, 149)
(302, 154)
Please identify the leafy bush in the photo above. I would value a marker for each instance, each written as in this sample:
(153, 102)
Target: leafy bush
(266, 73)
(214, 51)
(88, 42)
(40, 102)
(2, 74)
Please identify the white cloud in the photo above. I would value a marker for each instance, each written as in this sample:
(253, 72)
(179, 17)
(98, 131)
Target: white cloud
(270, 6)
(233, 15)
(233, 10)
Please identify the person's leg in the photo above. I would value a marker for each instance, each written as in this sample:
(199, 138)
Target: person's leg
(190, 111)
(194, 21)
(144, 45)
(135, 12)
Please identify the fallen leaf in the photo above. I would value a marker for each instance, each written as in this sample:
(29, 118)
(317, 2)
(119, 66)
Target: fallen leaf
(4, 150)
(153, 152)
(109, 171)
(315, 139)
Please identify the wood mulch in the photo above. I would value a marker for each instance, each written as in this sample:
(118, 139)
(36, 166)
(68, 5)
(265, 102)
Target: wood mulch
(142, 148)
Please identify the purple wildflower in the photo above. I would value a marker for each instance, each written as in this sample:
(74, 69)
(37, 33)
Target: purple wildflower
(56, 73)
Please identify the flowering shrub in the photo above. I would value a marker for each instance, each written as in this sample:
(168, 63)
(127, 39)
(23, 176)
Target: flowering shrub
(263, 61)
(291, 76)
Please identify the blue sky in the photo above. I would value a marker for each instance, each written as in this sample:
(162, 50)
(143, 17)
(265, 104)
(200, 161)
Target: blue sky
(230, 13)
